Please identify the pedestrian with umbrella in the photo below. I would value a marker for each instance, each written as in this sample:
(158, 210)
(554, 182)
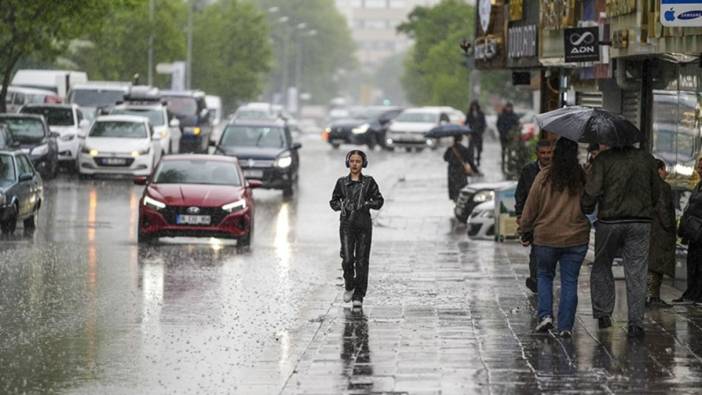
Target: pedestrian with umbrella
(623, 184)
(460, 166)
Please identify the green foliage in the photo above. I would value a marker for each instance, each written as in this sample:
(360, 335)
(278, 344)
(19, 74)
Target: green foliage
(119, 48)
(231, 51)
(322, 55)
(434, 72)
(45, 27)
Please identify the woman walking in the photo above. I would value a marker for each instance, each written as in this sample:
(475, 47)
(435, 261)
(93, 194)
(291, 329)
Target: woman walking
(561, 233)
(475, 119)
(460, 166)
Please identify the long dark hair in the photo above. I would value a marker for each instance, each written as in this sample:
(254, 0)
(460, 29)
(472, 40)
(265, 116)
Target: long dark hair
(474, 104)
(566, 172)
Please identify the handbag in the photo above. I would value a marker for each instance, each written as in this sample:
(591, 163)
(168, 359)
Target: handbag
(690, 228)
(467, 168)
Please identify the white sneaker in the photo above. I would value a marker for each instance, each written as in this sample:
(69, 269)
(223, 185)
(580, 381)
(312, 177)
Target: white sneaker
(545, 324)
(357, 303)
(348, 295)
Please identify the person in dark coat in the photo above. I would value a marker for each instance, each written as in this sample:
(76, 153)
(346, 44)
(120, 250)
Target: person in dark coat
(661, 259)
(506, 122)
(457, 156)
(693, 293)
(475, 119)
(544, 152)
(355, 195)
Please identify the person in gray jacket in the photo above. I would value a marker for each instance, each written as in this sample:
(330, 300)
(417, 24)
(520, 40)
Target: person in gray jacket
(624, 186)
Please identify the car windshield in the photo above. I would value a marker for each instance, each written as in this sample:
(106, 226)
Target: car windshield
(420, 117)
(182, 105)
(119, 129)
(200, 171)
(154, 115)
(253, 136)
(25, 130)
(55, 116)
(253, 114)
(7, 169)
(96, 97)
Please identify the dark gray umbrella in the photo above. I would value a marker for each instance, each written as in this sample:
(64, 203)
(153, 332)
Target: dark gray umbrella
(590, 125)
(447, 130)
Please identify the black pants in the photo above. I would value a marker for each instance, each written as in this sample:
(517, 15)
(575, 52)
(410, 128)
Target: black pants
(355, 252)
(694, 272)
(504, 147)
(476, 147)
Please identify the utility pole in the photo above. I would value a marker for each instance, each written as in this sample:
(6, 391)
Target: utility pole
(189, 59)
(150, 74)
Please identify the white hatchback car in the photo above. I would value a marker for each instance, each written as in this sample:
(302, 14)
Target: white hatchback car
(120, 144)
(409, 128)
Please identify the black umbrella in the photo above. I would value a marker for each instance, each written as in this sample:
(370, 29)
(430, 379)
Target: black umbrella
(590, 125)
(447, 130)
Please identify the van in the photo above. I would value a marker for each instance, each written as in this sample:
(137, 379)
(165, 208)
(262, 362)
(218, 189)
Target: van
(58, 81)
(18, 97)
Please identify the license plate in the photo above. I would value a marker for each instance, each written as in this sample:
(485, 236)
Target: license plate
(193, 220)
(253, 173)
(114, 161)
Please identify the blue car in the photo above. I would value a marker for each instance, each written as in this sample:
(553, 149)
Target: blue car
(21, 191)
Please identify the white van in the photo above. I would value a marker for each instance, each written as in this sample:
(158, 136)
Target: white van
(59, 81)
(18, 97)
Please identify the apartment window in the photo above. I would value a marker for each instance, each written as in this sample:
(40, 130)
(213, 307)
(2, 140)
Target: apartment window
(375, 3)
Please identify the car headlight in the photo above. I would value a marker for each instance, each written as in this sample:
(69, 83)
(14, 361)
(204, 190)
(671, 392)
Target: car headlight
(136, 154)
(483, 196)
(40, 150)
(153, 203)
(360, 129)
(235, 206)
(68, 137)
(90, 151)
(284, 161)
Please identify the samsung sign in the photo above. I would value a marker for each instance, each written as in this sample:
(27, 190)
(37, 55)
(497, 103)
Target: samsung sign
(582, 44)
(684, 13)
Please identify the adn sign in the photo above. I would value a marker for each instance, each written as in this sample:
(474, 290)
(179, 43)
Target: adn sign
(582, 44)
(682, 13)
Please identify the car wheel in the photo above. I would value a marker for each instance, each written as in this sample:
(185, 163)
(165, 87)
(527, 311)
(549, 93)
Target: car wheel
(30, 222)
(245, 241)
(408, 149)
(335, 146)
(8, 226)
(288, 191)
(419, 149)
(144, 239)
(371, 143)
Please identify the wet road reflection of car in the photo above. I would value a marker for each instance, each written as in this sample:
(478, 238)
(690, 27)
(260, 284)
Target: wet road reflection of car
(21, 191)
(197, 195)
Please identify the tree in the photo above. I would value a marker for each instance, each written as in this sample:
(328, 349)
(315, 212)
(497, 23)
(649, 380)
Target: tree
(231, 51)
(323, 54)
(118, 49)
(45, 27)
(434, 73)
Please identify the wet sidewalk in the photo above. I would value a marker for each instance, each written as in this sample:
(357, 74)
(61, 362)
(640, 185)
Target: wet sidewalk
(447, 315)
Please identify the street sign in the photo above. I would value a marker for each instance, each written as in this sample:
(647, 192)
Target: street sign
(681, 13)
(582, 44)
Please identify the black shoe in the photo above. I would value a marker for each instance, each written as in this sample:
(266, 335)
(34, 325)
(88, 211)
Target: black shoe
(635, 332)
(604, 322)
(682, 300)
(657, 303)
(531, 284)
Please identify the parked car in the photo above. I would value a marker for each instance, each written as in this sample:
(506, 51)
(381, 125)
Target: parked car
(95, 96)
(21, 191)
(367, 127)
(195, 124)
(6, 140)
(455, 115)
(32, 136)
(197, 195)
(67, 120)
(474, 194)
(57, 81)
(18, 97)
(408, 129)
(481, 222)
(266, 152)
(148, 103)
(120, 144)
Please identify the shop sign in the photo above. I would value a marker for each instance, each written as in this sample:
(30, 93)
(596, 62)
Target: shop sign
(682, 13)
(522, 41)
(516, 10)
(557, 14)
(484, 11)
(487, 47)
(582, 44)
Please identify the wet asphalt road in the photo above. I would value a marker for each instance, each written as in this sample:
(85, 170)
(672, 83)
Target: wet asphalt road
(85, 310)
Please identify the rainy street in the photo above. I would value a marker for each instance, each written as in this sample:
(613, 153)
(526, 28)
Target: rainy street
(85, 309)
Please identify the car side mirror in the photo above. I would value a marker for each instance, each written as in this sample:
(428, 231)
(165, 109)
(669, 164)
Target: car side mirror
(175, 123)
(140, 180)
(26, 177)
(296, 146)
(54, 135)
(254, 184)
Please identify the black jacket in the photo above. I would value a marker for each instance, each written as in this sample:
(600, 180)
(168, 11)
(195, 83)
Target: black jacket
(526, 179)
(476, 123)
(346, 199)
(506, 122)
